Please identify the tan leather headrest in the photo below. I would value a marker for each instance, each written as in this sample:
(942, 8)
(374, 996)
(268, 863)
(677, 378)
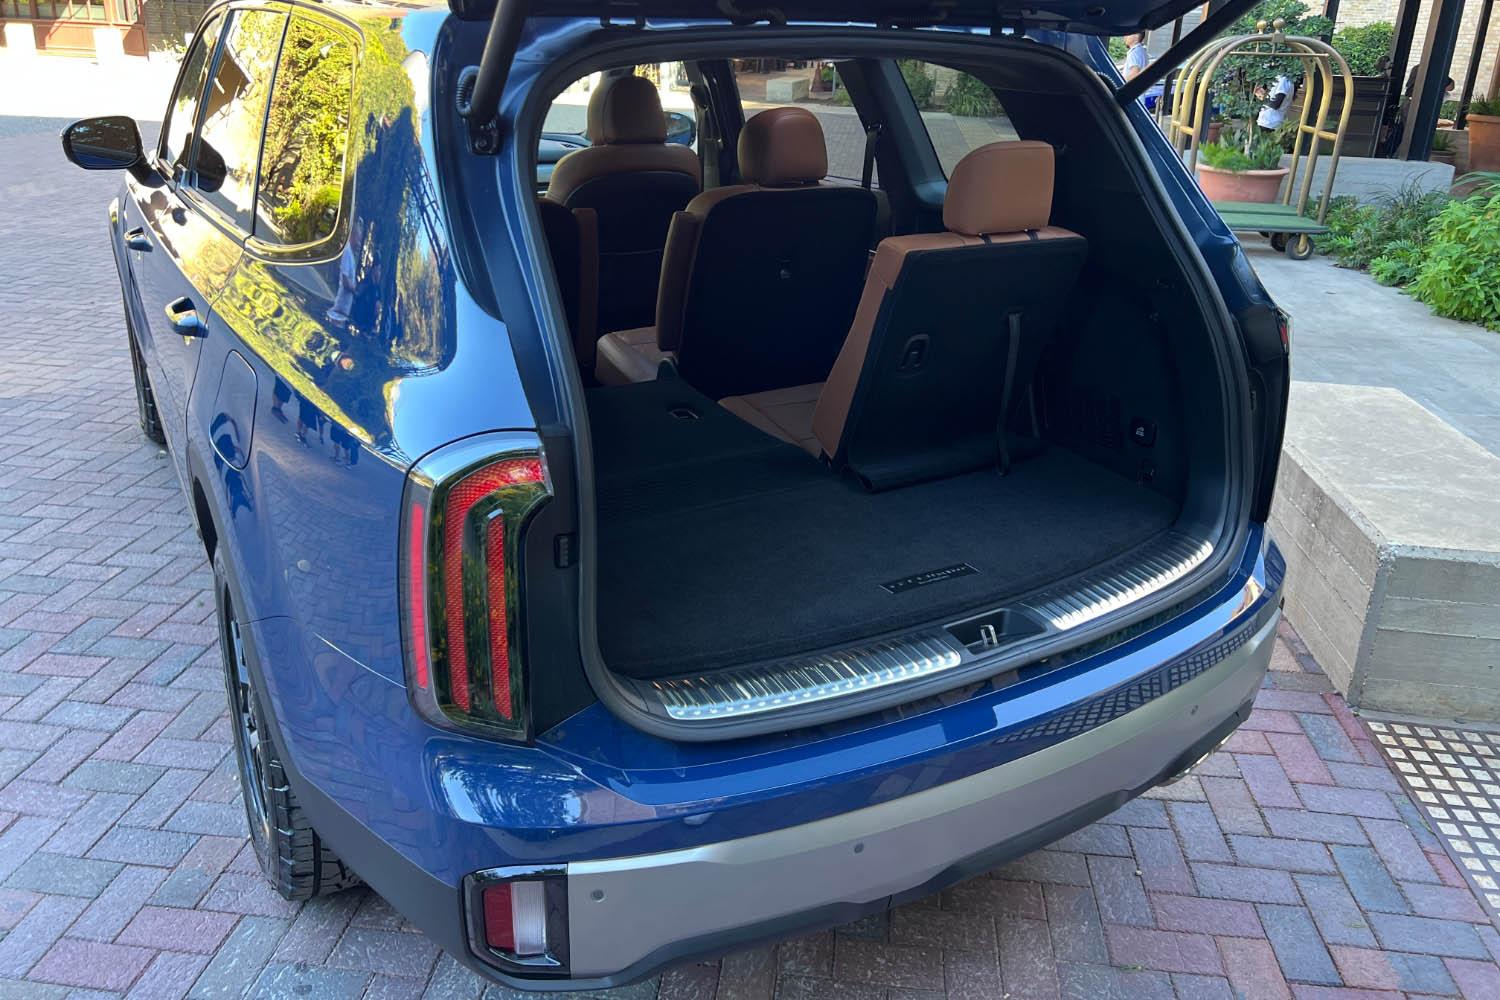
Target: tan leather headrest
(626, 109)
(1005, 187)
(783, 147)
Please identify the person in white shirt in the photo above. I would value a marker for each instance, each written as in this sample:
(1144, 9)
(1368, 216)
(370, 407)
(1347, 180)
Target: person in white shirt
(1278, 102)
(1137, 57)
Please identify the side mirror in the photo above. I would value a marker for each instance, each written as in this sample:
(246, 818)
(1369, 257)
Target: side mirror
(681, 129)
(109, 143)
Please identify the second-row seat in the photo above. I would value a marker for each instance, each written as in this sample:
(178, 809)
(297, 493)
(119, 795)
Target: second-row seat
(948, 335)
(759, 280)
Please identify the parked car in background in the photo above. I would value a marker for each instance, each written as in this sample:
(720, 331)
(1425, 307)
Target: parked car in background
(629, 555)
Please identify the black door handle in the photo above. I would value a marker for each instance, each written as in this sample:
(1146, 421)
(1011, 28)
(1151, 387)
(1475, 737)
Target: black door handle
(183, 316)
(135, 239)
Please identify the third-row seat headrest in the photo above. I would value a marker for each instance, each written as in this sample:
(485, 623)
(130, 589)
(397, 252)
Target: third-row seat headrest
(1005, 187)
(783, 147)
(624, 110)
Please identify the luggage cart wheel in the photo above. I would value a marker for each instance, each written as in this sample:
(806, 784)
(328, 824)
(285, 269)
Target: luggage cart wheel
(1299, 247)
(1278, 242)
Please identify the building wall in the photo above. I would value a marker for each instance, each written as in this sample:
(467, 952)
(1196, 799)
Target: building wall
(1358, 12)
(168, 22)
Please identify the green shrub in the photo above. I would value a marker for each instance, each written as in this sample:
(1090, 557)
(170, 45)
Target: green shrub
(1118, 48)
(1358, 234)
(921, 84)
(1264, 154)
(1398, 264)
(971, 97)
(1442, 140)
(1484, 106)
(1460, 261)
(1363, 47)
(1224, 157)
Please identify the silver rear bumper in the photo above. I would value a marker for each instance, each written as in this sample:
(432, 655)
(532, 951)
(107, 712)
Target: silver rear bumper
(627, 914)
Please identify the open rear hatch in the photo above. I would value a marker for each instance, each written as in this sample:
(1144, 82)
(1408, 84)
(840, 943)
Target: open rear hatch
(733, 585)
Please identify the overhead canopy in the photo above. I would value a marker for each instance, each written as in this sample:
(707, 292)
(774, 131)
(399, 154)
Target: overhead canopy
(1096, 17)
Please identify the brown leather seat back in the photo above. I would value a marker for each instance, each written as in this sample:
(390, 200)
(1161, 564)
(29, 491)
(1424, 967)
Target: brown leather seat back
(760, 279)
(634, 180)
(951, 326)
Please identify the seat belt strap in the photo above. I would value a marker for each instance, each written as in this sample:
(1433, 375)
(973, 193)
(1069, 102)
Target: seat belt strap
(1012, 352)
(872, 139)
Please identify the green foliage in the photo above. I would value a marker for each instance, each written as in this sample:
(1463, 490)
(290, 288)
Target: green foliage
(1359, 234)
(921, 84)
(1448, 110)
(1117, 48)
(1259, 152)
(1235, 80)
(1484, 106)
(1460, 261)
(1488, 181)
(1364, 46)
(1398, 264)
(971, 97)
(1442, 140)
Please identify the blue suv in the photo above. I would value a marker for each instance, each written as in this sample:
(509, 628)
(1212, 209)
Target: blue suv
(677, 476)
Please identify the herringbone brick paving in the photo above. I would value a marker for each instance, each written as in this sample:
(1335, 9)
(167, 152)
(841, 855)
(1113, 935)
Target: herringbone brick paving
(1289, 864)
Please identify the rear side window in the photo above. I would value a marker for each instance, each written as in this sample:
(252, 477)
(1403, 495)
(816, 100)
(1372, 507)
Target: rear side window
(177, 135)
(234, 111)
(307, 136)
(960, 111)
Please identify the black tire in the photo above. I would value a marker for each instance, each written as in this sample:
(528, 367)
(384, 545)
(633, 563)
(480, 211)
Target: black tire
(1299, 247)
(145, 401)
(291, 854)
(1278, 242)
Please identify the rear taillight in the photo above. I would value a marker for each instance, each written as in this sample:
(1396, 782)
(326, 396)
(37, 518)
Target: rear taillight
(518, 919)
(466, 512)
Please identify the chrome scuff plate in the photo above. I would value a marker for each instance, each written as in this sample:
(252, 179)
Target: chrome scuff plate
(745, 691)
(1121, 582)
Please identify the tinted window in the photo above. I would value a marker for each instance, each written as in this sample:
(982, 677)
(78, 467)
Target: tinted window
(234, 110)
(181, 113)
(307, 133)
(961, 111)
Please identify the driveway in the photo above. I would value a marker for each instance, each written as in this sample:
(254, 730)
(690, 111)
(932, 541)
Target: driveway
(1291, 857)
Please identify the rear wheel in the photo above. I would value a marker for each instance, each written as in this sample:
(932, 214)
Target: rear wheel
(1278, 242)
(1299, 247)
(291, 854)
(145, 402)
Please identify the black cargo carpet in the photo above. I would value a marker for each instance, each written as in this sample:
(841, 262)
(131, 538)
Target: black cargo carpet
(719, 545)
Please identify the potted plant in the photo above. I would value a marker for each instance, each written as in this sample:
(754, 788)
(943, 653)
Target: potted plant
(1229, 172)
(1484, 134)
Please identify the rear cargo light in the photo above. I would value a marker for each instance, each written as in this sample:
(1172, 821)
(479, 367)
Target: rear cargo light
(518, 918)
(466, 512)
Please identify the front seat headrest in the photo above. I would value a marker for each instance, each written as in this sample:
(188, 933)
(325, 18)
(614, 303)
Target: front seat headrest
(1005, 187)
(624, 110)
(783, 147)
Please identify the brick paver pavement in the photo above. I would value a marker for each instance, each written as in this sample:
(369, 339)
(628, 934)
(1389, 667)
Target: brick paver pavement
(1292, 857)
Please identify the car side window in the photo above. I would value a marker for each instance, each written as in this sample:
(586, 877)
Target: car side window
(307, 136)
(234, 111)
(182, 113)
(960, 111)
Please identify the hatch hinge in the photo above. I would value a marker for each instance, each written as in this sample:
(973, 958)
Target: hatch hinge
(622, 14)
(479, 97)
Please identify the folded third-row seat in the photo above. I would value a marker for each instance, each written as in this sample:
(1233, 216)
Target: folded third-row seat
(948, 334)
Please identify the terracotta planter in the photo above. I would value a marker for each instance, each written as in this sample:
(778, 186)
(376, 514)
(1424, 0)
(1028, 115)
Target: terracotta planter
(1246, 185)
(1484, 142)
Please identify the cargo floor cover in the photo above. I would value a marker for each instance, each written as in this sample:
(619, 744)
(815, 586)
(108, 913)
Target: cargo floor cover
(719, 545)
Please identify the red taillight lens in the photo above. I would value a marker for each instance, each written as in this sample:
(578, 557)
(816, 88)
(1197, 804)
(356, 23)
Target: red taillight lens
(462, 583)
(515, 918)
